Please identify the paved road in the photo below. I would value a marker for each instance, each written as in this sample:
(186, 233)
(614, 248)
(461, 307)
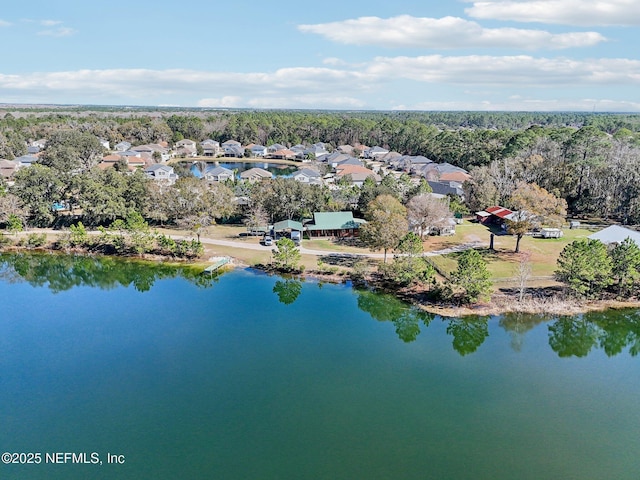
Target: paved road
(303, 250)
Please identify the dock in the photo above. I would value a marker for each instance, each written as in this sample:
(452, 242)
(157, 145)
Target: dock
(217, 263)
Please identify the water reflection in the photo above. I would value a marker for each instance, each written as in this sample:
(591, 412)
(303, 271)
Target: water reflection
(387, 308)
(63, 272)
(287, 290)
(468, 334)
(613, 331)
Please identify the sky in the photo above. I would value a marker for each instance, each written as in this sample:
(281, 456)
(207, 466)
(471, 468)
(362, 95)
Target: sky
(493, 55)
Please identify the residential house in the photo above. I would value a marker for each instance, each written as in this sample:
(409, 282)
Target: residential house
(258, 150)
(616, 234)
(210, 148)
(122, 147)
(447, 188)
(105, 143)
(275, 147)
(219, 174)
(316, 150)
(307, 175)
(186, 148)
(231, 148)
(256, 175)
(375, 152)
(346, 149)
(299, 151)
(8, 168)
(284, 154)
(26, 160)
(357, 173)
(161, 153)
(333, 224)
(161, 173)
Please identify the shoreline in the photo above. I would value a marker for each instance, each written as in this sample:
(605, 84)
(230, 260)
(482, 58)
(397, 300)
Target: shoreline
(497, 304)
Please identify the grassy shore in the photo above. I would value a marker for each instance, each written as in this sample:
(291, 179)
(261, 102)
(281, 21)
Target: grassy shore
(544, 293)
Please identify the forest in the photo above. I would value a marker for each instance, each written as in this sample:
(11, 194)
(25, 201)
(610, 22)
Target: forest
(588, 159)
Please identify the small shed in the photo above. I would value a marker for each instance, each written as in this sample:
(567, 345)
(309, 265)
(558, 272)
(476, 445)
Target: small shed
(550, 233)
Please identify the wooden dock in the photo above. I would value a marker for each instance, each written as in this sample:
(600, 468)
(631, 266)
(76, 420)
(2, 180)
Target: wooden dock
(218, 262)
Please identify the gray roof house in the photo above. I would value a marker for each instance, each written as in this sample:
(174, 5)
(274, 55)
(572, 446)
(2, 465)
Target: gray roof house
(375, 152)
(210, 148)
(122, 147)
(219, 174)
(307, 175)
(26, 160)
(446, 188)
(258, 150)
(233, 151)
(161, 173)
(256, 175)
(616, 234)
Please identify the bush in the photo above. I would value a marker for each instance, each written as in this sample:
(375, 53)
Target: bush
(35, 240)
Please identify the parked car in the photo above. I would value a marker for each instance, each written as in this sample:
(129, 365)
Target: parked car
(295, 236)
(267, 241)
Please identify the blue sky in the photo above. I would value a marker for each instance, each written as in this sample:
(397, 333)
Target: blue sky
(533, 55)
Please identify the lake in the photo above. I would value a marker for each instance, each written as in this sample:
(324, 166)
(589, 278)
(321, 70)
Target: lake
(250, 376)
(277, 169)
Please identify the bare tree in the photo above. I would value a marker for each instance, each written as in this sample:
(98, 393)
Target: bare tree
(426, 212)
(522, 274)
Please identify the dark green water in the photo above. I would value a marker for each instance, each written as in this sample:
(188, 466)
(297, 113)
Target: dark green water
(253, 377)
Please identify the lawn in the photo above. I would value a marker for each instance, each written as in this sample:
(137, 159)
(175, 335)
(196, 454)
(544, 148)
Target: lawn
(503, 261)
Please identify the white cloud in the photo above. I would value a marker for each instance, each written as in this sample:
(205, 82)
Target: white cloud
(529, 105)
(565, 12)
(4, 23)
(293, 87)
(57, 32)
(513, 79)
(224, 102)
(336, 62)
(521, 70)
(50, 23)
(444, 33)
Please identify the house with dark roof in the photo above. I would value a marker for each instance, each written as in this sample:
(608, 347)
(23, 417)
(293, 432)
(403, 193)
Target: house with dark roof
(446, 188)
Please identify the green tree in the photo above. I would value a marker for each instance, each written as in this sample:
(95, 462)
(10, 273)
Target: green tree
(410, 265)
(625, 260)
(386, 224)
(585, 266)
(471, 277)
(14, 224)
(39, 188)
(286, 256)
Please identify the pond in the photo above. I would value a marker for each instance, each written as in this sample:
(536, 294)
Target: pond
(250, 376)
(278, 170)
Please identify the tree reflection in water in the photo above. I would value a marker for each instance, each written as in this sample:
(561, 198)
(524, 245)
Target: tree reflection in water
(468, 334)
(387, 308)
(63, 272)
(288, 290)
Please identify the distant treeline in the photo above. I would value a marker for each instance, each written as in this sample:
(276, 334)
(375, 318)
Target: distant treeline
(463, 138)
